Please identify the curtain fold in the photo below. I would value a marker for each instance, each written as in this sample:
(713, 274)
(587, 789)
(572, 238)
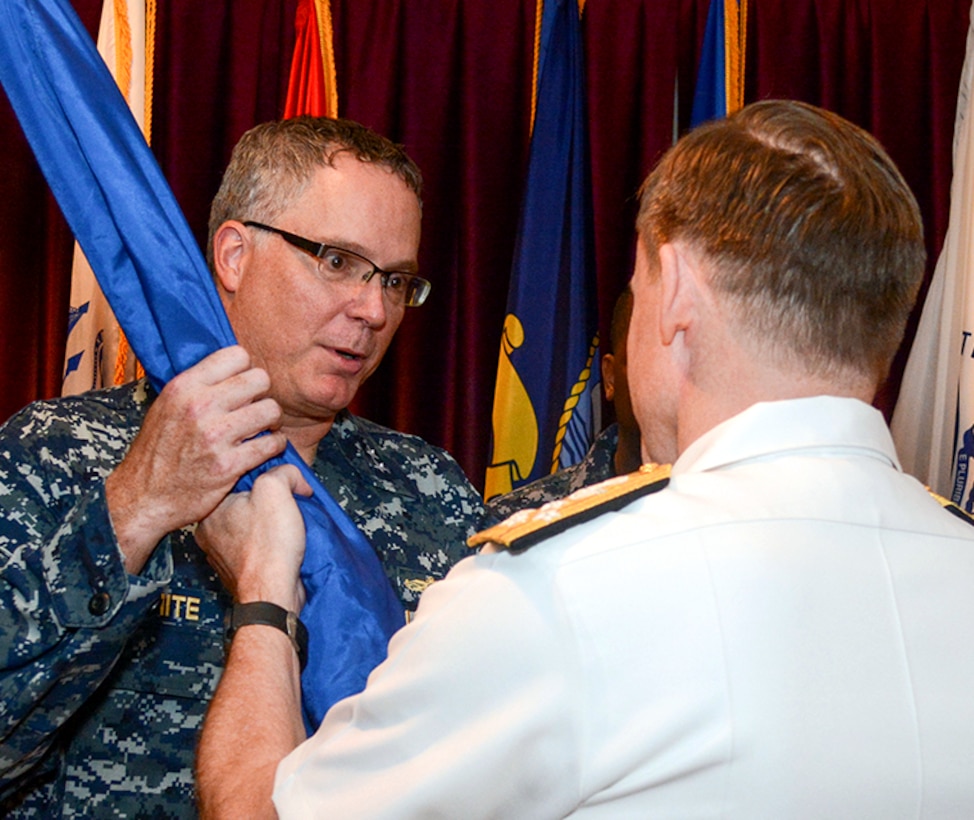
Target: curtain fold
(452, 82)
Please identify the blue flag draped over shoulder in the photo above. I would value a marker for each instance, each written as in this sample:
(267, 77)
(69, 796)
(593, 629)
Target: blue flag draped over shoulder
(720, 75)
(126, 220)
(546, 400)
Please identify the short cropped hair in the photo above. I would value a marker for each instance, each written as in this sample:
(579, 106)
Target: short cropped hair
(273, 162)
(811, 234)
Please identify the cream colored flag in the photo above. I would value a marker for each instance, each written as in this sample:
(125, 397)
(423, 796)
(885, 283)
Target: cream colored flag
(92, 355)
(933, 423)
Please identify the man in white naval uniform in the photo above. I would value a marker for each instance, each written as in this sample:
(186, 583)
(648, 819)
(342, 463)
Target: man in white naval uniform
(784, 629)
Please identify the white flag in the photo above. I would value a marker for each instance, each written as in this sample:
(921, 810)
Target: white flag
(933, 424)
(92, 351)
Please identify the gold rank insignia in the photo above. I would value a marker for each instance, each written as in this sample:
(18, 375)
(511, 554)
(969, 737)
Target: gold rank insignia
(527, 527)
(951, 507)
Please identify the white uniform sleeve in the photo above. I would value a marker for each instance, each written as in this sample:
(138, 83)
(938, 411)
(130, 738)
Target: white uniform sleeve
(474, 713)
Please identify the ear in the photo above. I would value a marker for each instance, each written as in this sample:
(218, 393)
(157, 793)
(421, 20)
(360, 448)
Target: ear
(608, 365)
(231, 245)
(679, 291)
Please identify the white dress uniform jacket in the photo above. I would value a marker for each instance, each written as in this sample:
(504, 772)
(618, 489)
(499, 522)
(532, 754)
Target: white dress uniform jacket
(785, 631)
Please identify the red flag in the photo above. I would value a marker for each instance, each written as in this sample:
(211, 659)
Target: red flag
(312, 88)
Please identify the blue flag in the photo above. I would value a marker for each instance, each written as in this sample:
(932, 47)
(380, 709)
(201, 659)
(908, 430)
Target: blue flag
(720, 75)
(126, 220)
(547, 401)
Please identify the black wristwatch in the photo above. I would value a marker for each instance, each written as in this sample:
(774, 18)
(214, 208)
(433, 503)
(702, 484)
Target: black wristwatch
(268, 614)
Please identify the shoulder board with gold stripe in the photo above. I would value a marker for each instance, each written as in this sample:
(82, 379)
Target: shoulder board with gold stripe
(951, 507)
(527, 527)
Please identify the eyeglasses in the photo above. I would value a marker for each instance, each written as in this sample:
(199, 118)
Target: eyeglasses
(344, 267)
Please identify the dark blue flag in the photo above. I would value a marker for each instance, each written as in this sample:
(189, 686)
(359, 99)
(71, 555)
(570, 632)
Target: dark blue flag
(547, 401)
(720, 75)
(147, 262)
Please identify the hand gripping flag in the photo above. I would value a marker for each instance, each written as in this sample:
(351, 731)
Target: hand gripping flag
(126, 220)
(547, 403)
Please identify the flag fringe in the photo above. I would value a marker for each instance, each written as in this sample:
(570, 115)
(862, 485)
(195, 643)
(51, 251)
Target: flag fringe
(735, 42)
(570, 403)
(326, 40)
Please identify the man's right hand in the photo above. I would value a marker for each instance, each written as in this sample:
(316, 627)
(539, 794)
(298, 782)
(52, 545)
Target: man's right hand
(255, 541)
(198, 438)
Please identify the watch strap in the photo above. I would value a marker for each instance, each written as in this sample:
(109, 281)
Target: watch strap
(265, 613)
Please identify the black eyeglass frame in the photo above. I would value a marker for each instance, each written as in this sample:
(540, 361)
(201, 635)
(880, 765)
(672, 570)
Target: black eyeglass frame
(414, 294)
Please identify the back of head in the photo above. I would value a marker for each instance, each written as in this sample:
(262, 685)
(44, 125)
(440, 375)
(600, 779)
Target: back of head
(272, 163)
(811, 234)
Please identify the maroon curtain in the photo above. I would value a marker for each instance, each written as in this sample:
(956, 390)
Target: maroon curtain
(221, 67)
(639, 55)
(452, 82)
(451, 79)
(894, 69)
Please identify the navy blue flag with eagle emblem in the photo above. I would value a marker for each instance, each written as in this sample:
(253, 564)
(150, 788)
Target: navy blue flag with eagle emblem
(147, 262)
(547, 400)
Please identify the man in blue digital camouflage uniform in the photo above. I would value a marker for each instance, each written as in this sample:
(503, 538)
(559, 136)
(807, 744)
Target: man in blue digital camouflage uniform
(111, 621)
(615, 451)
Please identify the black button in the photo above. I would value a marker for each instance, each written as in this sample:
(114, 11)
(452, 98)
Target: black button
(99, 603)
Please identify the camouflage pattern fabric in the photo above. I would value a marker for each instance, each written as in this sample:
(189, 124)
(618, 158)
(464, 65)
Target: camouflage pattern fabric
(106, 677)
(598, 465)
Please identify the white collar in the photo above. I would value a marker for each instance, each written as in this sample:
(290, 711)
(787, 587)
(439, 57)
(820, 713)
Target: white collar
(770, 428)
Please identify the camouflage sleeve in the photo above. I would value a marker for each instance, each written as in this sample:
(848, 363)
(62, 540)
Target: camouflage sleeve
(545, 489)
(434, 528)
(597, 466)
(463, 505)
(67, 605)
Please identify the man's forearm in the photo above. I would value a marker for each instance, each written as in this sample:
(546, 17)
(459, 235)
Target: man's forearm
(253, 722)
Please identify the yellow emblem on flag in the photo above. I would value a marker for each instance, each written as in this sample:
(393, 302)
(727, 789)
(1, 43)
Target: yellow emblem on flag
(515, 424)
